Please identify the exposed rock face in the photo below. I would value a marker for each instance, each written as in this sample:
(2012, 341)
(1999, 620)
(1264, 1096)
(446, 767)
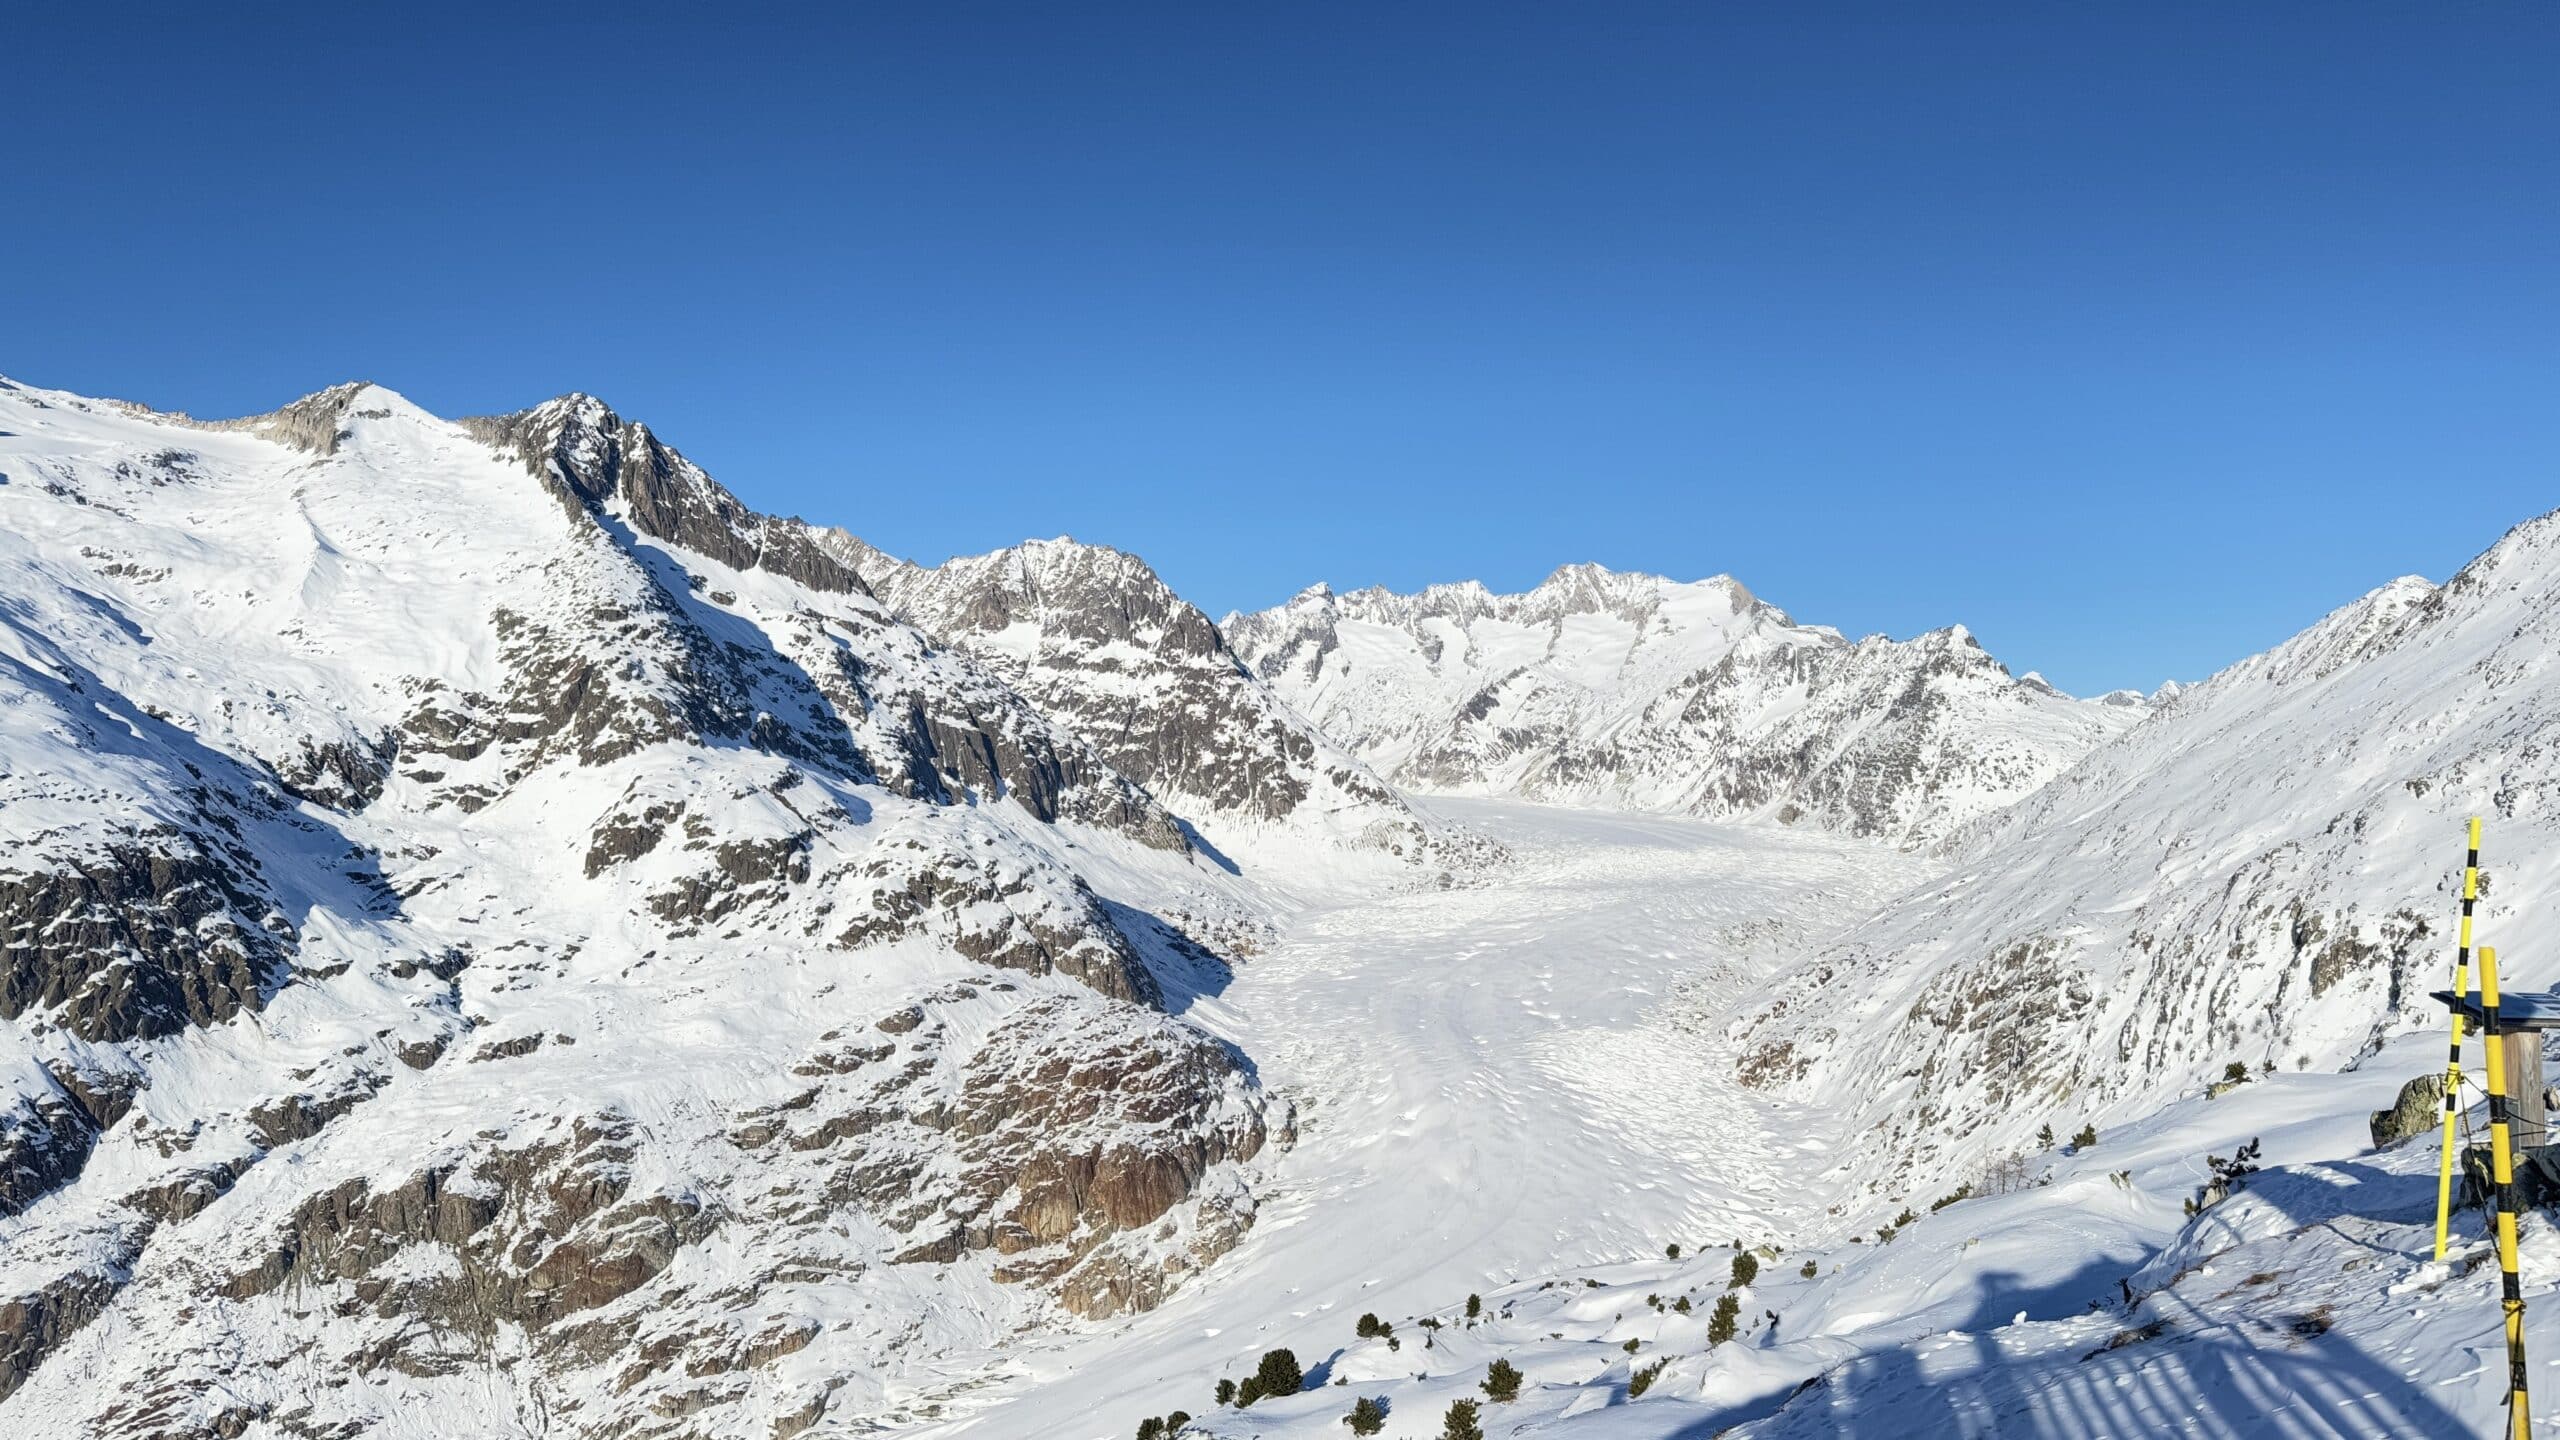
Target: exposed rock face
(1635, 691)
(595, 460)
(429, 852)
(2418, 1109)
(56, 1123)
(143, 940)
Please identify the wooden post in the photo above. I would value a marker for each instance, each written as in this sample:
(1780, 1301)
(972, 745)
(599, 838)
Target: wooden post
(2528, 1127)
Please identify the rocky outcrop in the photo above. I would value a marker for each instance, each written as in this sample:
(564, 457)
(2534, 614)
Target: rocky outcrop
(1103, 647)
(1052, 1143)
(594, 460)
(33, 1325)
(48, 1135)
(1036, 920)
(540, 1232)
(141, 938)
(2418, 1109)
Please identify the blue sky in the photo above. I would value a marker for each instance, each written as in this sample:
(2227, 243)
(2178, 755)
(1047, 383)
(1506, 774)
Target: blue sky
(2133, 336)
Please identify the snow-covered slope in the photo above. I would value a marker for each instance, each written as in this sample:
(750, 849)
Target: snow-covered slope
(1632, 690)
(2259, 875)
(1102, 646)
(2083, 1303)
(501, 936)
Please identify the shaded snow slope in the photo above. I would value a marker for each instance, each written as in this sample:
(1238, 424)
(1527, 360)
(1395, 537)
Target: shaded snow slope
(1634, 691)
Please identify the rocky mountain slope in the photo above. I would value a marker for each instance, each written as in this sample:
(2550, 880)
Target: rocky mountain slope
(2261, 875)
(502, 936)
(1635, 691)
(1103, 647)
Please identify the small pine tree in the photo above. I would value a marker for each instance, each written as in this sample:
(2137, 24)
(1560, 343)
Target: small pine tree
(1475, 1306)
(2044, 1135)
(1367, 1417)
(1630, 1346)
(1643, 1379)
(1372, 1328)
(1174, 1422)
(1278, 1374)
(2236, 1071)
(1460, 1423)
(1248, 1392)
(1226, 1392)
(1810, 1270)
(2087, 1137)
(1151, 1428)
(1728, 1314)
(1502, 1382)
(1671, 1251)
(1681, 1304)
(1746, 1268)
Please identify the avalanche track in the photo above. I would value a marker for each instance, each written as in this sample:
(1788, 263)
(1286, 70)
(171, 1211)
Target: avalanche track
(1493, 1083)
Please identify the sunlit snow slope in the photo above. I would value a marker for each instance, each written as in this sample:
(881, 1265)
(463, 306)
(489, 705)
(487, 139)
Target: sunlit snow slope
(2256, 875)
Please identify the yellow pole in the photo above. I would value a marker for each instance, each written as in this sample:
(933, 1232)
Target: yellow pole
(2453, 1063)
(2502, 1190)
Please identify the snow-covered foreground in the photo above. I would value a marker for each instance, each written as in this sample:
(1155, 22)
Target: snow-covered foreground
(1522, 1091)
(1493, 1083)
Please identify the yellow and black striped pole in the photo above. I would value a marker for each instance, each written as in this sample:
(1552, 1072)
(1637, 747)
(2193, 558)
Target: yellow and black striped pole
(2502, 1177)
(2453, 1063)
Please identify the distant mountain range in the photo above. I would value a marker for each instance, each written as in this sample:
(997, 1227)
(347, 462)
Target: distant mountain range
(1635, 691)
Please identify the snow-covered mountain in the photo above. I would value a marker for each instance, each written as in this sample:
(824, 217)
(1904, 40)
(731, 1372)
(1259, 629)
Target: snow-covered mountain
(500, 937)
(1632, 690)
(1104, 647)
(2260, 875)
(498, 930)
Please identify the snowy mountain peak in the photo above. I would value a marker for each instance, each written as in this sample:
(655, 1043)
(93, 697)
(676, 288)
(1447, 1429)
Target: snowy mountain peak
(596, 462)
(1633, 689)
(1097, 638)
(480, 873)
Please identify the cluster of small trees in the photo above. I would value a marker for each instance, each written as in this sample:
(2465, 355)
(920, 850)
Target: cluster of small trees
(1279, 1372)
(2228, 1176)
(1885, 1234)
(2088, 1134)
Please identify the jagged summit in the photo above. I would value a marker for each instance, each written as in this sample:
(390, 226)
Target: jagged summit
(1633, 689)
(595, 461)
(1096, 637)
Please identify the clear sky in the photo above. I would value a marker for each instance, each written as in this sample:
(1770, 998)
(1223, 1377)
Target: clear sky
(2133, 336)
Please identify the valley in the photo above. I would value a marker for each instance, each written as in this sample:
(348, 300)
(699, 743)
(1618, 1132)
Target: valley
(1493, 1083)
